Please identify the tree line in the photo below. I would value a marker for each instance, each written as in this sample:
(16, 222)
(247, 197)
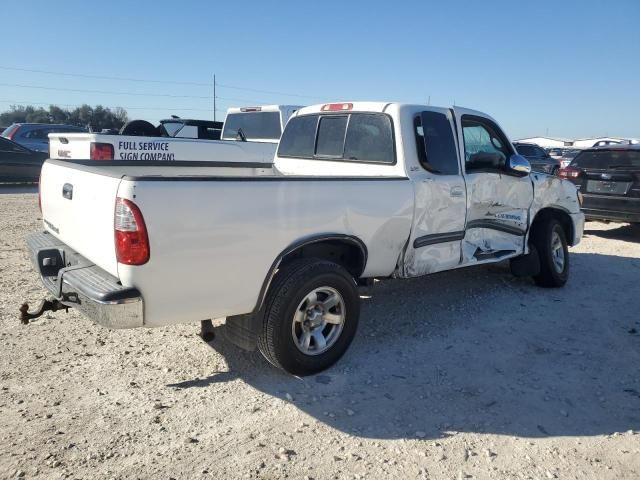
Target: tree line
(96, 118)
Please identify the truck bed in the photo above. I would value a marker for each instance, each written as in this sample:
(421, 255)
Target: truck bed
(214, 232)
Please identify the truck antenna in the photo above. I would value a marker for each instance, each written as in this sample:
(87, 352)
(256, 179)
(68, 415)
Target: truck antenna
(214, 97)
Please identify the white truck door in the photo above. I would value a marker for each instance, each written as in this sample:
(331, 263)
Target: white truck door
(440, 197)
(498, 202)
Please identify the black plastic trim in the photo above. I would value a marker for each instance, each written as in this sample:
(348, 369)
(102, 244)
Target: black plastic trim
(426, 240)
(301, 243)
(494, 225)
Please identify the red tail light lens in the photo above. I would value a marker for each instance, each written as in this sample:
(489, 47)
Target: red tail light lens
(337, 107)
(101, 151)
(569, 172)
(132, 241)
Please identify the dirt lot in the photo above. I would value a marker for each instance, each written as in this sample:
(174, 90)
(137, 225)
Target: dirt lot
(467, 374)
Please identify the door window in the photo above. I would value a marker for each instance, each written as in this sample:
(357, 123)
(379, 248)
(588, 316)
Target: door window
(435, 143)
(38, 134)
(485, 147)
(526, 150)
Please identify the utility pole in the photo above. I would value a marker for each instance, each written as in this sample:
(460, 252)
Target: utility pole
(214, 97)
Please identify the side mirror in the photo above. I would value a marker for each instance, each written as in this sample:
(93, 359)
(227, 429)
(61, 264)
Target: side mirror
(520, 165)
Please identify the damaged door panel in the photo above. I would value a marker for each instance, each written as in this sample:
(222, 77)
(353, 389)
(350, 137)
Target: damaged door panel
(498, 203)
(440, 204)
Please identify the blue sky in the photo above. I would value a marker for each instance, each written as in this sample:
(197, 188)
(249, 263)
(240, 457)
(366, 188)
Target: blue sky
(563, 68)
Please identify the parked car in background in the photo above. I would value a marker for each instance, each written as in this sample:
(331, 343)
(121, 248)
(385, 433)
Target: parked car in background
(568, 157)
(18, 163)
(609, 180)
(189, 128)
(539, 159)
(35, 136)
(556, 152)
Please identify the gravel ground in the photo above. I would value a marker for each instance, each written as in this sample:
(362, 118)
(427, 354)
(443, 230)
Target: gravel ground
(466, 374)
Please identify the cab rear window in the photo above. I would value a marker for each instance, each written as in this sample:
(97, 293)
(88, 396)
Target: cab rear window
(354, 137)
(254, 126)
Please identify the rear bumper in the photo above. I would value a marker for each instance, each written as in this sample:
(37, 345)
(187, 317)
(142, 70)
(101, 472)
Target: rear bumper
(80, 284)
(613, 208)
(609, 215)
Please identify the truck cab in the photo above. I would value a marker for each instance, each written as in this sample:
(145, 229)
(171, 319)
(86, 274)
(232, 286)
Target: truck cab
(473, 194)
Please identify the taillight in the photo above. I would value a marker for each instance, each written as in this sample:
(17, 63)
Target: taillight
(101, 151)
(337, 107)
(132, 241)
(569, 172)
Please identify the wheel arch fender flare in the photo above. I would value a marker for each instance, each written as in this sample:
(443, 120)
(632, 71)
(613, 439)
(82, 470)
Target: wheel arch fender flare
(325, 246)
(559, 213)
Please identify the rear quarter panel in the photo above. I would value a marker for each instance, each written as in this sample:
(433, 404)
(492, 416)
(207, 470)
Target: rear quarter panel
(213, 242)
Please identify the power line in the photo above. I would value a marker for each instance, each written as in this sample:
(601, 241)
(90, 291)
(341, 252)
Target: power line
(102, 77)
(22, 102)
(169, 82)
(269, 92)
(103, 91)
(131, 93)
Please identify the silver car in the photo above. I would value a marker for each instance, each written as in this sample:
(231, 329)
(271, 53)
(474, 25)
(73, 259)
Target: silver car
(35, 136)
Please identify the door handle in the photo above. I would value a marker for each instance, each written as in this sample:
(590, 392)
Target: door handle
(455, 192)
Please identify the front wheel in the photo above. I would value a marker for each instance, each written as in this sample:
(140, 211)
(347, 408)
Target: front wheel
(551, 243)
(311, 316)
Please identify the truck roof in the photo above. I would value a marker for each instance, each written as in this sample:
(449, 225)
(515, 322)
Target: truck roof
(367, 106)
(263, 108)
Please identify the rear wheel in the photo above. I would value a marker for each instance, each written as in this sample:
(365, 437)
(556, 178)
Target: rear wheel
(555, 171)
(311, 316)
(551, 243)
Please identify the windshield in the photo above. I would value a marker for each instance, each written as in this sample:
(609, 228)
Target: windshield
(607, 159)
(254, 125)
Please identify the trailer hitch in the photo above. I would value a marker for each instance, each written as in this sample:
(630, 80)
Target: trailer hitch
(46, 305)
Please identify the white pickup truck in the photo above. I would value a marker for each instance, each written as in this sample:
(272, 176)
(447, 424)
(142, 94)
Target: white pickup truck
(249, 135)
(358, 190)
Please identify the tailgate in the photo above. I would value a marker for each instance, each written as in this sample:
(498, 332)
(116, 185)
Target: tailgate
(78, 208)
(70, 145)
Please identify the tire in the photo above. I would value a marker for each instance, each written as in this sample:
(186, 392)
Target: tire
(551, 243)
(293, 322)
(555, 171)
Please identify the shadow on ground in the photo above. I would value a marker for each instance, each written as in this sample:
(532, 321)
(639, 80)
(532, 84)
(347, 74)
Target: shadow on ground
(18, 188)
(626, 232)
(476, 351)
